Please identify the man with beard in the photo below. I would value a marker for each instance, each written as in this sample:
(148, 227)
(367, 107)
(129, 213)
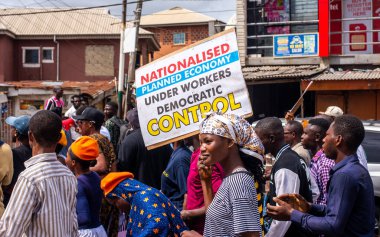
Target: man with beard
(293, 131)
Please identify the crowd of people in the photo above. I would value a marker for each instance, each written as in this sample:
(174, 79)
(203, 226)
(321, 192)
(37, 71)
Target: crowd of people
(89, 174)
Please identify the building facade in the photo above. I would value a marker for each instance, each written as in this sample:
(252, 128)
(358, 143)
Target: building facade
(178, 27)
(344, 68)
(56, 45)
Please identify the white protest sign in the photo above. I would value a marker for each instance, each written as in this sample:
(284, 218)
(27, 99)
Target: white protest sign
(174, 93)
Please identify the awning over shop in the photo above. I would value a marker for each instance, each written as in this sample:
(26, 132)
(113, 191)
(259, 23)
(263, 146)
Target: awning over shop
(344, 80)
(98, 90)
(279, 74)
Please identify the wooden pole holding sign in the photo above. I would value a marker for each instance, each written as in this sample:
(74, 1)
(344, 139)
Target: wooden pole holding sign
(132, 58)
(290, 114)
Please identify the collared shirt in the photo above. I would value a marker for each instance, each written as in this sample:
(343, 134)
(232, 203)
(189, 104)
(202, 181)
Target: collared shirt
(43, 202)
(350, 209)
(362, 156)
(71, 112)
(54, 102)
(319, 169)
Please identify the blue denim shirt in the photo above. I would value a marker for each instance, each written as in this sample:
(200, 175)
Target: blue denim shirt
(350, 209)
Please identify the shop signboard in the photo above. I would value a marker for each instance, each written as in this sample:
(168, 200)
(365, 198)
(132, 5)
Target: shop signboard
(295, 45)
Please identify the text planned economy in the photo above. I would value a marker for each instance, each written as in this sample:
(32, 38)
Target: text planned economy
(188, 73)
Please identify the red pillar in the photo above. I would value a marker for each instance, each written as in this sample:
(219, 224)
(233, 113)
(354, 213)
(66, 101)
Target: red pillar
(324, 38)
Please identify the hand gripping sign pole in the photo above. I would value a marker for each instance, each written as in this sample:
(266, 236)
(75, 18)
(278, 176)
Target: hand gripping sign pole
(290, 114)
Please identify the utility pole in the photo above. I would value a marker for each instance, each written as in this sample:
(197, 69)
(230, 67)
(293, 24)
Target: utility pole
(120, 87)
(132, 57)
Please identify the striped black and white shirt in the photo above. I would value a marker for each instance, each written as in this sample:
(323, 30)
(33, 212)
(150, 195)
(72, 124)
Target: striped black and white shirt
(43, 202)
(233, 210)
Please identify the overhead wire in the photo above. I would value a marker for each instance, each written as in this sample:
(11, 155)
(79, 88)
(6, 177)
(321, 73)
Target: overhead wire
(71, 9)
(93, 7)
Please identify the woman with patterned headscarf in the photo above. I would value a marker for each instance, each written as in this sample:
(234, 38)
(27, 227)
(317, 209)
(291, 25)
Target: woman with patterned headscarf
(235, 210)
(150, 212)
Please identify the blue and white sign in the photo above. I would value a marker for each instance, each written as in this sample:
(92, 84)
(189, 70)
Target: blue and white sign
(295, 45)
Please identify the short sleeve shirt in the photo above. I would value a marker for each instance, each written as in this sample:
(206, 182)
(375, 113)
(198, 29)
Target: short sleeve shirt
(234, 209)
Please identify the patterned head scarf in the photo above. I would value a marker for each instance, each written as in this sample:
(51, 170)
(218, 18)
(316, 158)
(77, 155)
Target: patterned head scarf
(151, 214)
(237, 129)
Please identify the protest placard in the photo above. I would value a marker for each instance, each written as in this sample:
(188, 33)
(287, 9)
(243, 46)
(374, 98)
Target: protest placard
(174, 93)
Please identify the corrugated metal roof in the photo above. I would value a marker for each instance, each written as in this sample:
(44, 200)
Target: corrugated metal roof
(93, 88)
(348, 75)
(176, 15)
(33, 21)
(280, 72)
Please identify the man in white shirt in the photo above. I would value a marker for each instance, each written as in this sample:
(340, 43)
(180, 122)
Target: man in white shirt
(43, 202)
(75, 101)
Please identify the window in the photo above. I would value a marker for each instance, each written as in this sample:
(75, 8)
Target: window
(31, 56)
(99, 60)
(47, 55)
(266, 18)
(178, 38)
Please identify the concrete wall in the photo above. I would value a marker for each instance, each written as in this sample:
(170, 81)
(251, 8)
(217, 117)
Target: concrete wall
(79, 60)
(241, 29)
(6, 54)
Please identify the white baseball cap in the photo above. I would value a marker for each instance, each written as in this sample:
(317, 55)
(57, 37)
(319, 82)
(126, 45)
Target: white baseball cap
(333, 111)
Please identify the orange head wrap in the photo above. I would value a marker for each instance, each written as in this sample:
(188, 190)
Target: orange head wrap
(112, 179)
(85, 148)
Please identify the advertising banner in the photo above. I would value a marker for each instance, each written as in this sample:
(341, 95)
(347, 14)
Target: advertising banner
(357, 9)
(277, 11)
(174, 93)
(295, 45)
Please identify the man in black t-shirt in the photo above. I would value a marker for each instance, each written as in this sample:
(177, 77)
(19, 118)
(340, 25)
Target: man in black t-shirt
(146, 165)
(288, 175)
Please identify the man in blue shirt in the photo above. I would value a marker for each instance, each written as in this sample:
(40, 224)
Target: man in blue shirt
(174, 177)
(350, 206)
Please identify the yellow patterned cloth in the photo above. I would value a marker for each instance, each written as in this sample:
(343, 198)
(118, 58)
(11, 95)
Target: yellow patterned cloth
(151, 214)
(235, 128)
